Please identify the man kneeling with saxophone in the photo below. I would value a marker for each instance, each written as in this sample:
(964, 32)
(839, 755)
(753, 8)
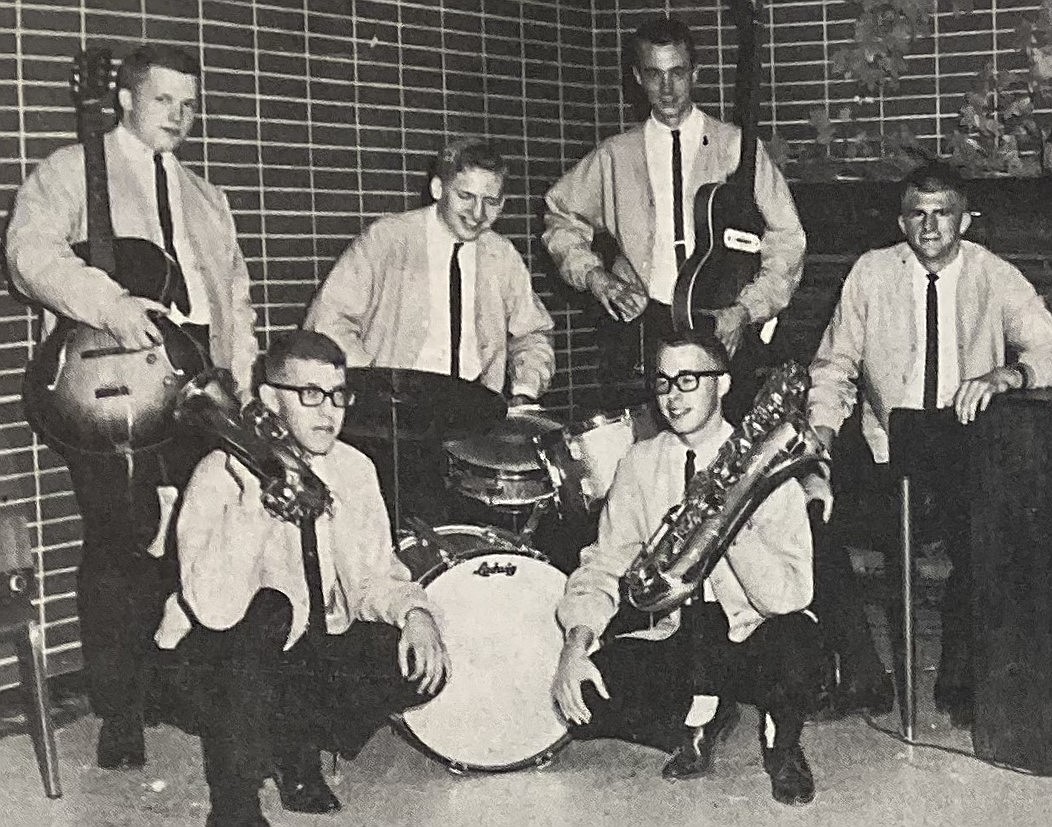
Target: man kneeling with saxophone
(744, 635)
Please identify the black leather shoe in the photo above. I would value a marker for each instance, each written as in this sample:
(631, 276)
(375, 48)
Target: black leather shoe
(121, 744)
(305, 795)
(693, 758)
(791, 779)
(255, 819)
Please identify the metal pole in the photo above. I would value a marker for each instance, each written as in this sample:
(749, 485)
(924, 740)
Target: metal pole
(908, 709)
(395, 470)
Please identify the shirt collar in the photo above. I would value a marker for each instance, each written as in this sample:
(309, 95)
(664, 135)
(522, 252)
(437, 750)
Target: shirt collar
(437, 231)
(707, 441)
(694, 122)
(133, 145)
(948, 273)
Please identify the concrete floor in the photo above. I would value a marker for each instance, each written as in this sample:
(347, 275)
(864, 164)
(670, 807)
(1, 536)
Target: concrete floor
(863, 777)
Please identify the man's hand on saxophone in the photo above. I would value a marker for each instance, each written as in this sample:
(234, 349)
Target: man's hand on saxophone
(575, 669)
(818, 485)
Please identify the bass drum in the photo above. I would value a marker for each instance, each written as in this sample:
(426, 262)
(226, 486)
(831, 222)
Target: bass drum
(496, 610)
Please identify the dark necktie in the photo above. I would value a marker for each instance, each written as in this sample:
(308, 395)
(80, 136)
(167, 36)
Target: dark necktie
(677, 200)
(688, 470)
(931, 347)
(455, 311)
(175, 287)
(312, 573)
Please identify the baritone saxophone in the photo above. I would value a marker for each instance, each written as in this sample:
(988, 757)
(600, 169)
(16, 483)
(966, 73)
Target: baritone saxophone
(773, 443)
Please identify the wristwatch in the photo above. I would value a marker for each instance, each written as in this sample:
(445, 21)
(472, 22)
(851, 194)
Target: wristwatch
(1020, 368)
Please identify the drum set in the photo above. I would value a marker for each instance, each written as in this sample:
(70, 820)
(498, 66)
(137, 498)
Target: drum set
(495, 593)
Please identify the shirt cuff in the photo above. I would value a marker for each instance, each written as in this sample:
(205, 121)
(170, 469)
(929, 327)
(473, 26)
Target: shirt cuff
(524, 388)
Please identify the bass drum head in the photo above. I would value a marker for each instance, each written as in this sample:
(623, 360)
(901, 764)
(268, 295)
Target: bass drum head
(496, 611)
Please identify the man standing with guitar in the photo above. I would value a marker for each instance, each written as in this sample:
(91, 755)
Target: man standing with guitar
(125, 494)
(640, 186)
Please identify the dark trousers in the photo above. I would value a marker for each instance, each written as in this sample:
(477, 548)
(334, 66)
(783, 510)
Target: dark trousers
(778, 669)
(840, 602)
(260, 707)
(121, 588)
(946, 517)
(839, 598)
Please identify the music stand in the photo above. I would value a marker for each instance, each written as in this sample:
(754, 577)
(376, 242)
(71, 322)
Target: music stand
(928, 446)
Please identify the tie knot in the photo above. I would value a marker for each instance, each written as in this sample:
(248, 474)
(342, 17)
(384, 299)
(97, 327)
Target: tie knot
(932, 278)
(158, 159)
(689, 468)
(456, 248)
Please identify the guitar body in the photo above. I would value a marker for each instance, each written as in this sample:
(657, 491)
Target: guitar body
(728, 226)
(83, 392)
(726, 257)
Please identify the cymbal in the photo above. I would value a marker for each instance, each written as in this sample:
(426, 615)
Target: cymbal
(508, 446)
(427, 405)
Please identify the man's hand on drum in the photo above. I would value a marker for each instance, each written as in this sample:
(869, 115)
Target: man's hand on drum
(576, 669)
(422, 642)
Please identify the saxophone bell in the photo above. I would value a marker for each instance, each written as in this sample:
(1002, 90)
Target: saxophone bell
(290, 490)
(772, 444)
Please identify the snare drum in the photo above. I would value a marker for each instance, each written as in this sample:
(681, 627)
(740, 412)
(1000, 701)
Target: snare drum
(501, 468)
(582, 457)
(496, 611)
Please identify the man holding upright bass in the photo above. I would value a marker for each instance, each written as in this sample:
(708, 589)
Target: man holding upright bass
(125, 497)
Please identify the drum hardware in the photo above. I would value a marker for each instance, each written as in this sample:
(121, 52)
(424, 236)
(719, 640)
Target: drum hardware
(393, 404)
(496, 607)
(581, 457)
(501, 468)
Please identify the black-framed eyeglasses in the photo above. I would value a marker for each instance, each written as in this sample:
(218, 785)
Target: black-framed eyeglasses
(311, 396)
(685, 381)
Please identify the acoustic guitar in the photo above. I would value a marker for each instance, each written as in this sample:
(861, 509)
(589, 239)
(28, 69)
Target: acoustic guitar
(728, 224)
(82, 390)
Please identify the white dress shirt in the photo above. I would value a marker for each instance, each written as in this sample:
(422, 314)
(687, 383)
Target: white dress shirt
(141, 157)
(658, 140)
(766, 571)
(434, 355)
(949, 369)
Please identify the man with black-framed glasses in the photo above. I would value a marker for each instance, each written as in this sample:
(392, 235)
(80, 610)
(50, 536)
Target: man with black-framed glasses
(290, 651)
(747, 635)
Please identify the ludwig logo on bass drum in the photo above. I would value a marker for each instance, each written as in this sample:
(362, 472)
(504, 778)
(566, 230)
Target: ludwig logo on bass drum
(485, 569)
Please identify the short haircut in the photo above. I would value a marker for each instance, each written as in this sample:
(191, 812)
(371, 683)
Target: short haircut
(136, 65)
(663, 31)
(699, 338)
(306, 345)
(469, 153)
(934, 176)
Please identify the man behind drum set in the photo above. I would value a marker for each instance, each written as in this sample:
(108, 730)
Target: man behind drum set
(746, 637)
(270, 678)
(436, 289)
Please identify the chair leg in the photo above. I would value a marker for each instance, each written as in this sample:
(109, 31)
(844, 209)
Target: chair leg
(30, 648)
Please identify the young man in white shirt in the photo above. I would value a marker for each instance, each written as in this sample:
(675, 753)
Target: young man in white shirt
(746, 635)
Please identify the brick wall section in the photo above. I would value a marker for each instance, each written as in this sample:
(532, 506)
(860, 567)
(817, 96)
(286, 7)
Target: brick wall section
(318, 116)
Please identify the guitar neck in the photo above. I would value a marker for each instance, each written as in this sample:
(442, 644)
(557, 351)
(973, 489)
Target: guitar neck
(100, 223)
(747, 96)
